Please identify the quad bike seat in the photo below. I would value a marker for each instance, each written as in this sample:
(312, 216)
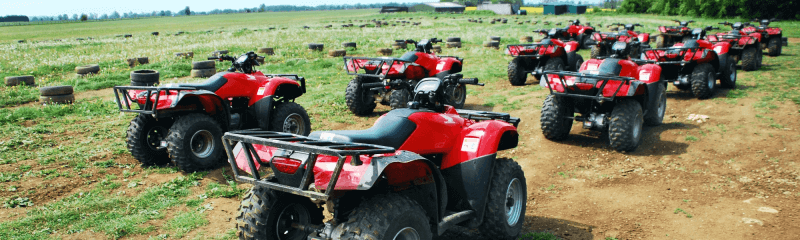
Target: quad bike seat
(212, 84)
(691, 43)
(409, 56)
(391, 130)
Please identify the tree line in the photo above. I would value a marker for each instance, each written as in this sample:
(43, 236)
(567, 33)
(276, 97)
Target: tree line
(781, 9)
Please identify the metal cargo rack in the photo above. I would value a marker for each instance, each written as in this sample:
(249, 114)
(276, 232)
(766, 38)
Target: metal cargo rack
(589, 79)
(486, 115)
(682, 51)
(379, 62)
(313, 147)
(527, 46)
(150, 106)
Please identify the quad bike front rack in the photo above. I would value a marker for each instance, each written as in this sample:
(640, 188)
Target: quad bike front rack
(150, 106)
(528, 46)
(486, 115)
(570, 91)
(682, 52)
(291, 142)
(379, 64)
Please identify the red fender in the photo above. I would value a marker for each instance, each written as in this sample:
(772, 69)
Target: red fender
(444, 64)
(479, 139)
(722, 47)
(644, 37)
(571, 46)
(650, 73)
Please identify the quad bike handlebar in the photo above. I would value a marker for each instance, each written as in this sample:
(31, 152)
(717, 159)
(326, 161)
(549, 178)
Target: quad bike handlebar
(244, 63)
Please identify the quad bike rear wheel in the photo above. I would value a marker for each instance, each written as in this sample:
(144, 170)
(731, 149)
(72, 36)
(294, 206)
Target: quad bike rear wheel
(456, 95)
(555, 122)
(655, 115)
(144, 137)
(574, 61)
(359, 100)
(290, 117)
(386, 217)
(703, 81)
(625, 127)
(728, 78)
(195, 142)
(660, 41)
(750, 58)
(399, 98)
(267, 214)
(554, 64)
(505, 208)
(516, 72)
(597, 51)
(774, 46)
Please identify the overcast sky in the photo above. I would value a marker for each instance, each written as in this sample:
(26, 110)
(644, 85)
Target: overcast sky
(58, 7)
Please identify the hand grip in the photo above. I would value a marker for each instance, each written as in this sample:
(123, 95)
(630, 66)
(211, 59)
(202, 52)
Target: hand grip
(473, 81)
(213, 58)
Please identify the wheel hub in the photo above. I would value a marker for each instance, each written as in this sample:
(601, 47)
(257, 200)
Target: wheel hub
(294, 124)
(637, 129)
(514, 202)
(456, 94)
(154, 137)
(711, 80)
(407, 233)
(202, 143)
(292, 214)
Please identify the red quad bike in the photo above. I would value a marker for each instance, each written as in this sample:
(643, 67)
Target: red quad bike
(612, 95)
(580, 33)
(391, 80)
(772, 37)
(413, 175)
(744, 47)
(638, 41)
(185, 122)
(696, 64)
(673, 34)
(549, 54)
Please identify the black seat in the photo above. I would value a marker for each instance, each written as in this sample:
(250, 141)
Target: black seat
(610, 66)
(212, 84)
(391, 130)
(691, 43)
(409, 56)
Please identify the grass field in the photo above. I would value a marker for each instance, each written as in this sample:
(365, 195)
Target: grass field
(65, 171)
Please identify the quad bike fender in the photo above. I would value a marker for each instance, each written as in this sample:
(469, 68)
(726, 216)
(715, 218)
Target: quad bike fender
(747, 40)
(279, 86)
(587, 30)
(450, 65)
(481, 139)
(470, 182)
(722, 48)
(203, 100)
(262, 109)
(571, 46)
(644, 37)
(650, 73)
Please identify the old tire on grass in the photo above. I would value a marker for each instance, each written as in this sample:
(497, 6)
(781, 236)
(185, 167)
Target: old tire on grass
(144, 77)
(655, 115)
(337, 53)
(505, 206)
(267, 214)
(597, 51)
(437, 49)
(290, 117)
(399, 98)
(516, 72)
(86, 69)
(56, 90)
(203, 64)
(359, 100)
(316, 46)
(729, 75)
(63, 99)
(703, 81)
(194, 142)
(625, 127)
(202, 73)
(660, 41)
(349, 44)
(750, 58)
(385, 51)
(389, 216)
(555, 120)
(144, 137)
(453, 39)
(453, 44)
(19, 80)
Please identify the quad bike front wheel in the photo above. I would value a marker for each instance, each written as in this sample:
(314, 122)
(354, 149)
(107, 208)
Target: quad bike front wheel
(574, 61)
(750, 59)
(195, 142)
(456, 95)
(266, 214)
(597, 51)
(399, 98)
(290, 117)
(728, 78)
(655, 115)
(359, 100)
(625, 127)
(516, 72)
(505, 208)
(555, 122)
(703, 81)
(774, 46)
(144, 137)
(386, 217)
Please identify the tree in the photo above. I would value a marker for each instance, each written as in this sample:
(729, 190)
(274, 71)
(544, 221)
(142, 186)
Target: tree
(114, 15)
(186, 11)
(84, 17)
(74, 17)
(262, 8)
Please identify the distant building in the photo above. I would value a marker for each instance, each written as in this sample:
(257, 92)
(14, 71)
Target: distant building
(438, 7)
(555, 9)
(577, 9)
(391, 9)
(501, 8)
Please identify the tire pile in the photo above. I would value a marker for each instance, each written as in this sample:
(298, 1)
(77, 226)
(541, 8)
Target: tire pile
(453, 42)
(203, 69)
(385, 51)
(399, 44)
(267, 51)
(20, 80)
(56, 94)
(132, 62)
(526, 39)
(316, 46)
(83, 71)
(494, 42)
(187, 55)
(144, 77)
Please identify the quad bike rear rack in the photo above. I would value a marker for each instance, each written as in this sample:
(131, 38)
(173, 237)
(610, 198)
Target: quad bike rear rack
(380, 73)
(527, 46)
(682, 51)
(486, 115)
(313, 147)
(585, 78)
(150, 106)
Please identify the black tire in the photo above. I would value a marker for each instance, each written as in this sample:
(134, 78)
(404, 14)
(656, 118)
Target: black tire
(203, 64)
(774, 46)
(494, 38)
(290, 117)
(750, 58)
(399, 98)
(143, 60)
(655, 115)
(453, 44)
(516, 72)
(18, 80)
(55, 90)
(729, 75)
(703, 81)
(145, 76)
(91, 68)
(597, 51)
(349, 44)
(203, 73)
(316, 46)
(554, 64)
(456, 95)
(760, 60)
(64, 99)
(508, 179)
(144, 137)
(625, 127)
(636, 52)
(574, 61)
(262, 209)
(359, 100)
(383, 217)
(337, 53)
(661, 41)
(585, 41)
(453, 39)
(554, 117)
(194, 142)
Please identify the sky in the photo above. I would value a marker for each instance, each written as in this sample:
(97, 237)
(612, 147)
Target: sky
(59, 7)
